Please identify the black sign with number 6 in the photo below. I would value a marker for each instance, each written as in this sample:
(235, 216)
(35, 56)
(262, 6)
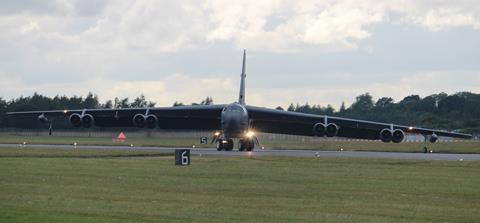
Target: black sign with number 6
(182, 157)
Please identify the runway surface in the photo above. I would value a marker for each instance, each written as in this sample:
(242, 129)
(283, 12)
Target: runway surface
(268, 152)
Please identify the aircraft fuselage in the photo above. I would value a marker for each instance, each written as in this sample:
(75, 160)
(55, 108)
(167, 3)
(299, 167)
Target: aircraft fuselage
(234, 121)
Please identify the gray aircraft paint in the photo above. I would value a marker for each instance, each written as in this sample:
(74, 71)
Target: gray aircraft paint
(241, 96)
(235, 120)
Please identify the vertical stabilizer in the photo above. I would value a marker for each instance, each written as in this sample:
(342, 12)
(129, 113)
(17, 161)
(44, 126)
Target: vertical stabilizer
(241, 97)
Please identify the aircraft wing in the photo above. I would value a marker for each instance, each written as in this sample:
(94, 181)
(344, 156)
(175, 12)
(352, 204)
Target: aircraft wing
(200, 117)
(295, 123)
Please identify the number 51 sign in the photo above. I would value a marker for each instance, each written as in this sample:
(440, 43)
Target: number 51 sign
(182, 157)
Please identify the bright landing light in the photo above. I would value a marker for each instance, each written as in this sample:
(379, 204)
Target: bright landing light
(250, 134)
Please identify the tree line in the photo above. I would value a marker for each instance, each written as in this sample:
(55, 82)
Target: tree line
(459, 111)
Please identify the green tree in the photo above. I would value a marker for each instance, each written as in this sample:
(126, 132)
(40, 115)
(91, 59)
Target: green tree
(363, 103)
(384, 102)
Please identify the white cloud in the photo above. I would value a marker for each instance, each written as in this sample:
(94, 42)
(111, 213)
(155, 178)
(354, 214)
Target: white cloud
(270, 25)
(421, 83)
(164, 91)
(441, 15)
(72, 47)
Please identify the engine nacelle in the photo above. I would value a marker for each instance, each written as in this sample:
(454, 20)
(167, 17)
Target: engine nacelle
(398, 136)
(319, 129)
(433, 138)
(76, 119)
(386, 135)
(42, 118)
(332, 130)
(87, 121)
(151, 121)
(139, 120)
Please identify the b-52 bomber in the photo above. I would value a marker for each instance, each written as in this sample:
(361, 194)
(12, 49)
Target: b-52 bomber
(239, 121)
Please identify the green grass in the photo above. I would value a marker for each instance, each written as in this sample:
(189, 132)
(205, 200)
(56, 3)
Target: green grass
(241, 189)
(440, 147)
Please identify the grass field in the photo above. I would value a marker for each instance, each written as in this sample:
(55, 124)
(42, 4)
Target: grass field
(46, 185)
(441, 147)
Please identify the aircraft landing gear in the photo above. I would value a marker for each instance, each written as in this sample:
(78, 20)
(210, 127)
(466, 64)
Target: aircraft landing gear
(225, 144)
(246, 145)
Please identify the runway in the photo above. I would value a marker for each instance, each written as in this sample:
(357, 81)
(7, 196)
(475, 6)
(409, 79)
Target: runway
(269, 152)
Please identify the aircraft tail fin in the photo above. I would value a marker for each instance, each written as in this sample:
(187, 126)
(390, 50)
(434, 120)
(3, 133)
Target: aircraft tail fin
(241, 97)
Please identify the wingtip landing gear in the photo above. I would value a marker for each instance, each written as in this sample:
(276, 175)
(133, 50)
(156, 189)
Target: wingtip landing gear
(429, 139)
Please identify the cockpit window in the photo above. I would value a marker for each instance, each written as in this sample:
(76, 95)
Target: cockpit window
(233, 108)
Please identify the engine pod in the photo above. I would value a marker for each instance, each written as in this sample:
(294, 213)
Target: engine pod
(398, 136)
(332, 130)
(386, 135)
(139, 120)
(319, 129)
(151, 121)
(75, 119)
(87, 121)
(433, 138)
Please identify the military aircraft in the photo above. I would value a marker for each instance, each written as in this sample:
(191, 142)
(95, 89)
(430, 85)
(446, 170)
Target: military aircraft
(239, 121)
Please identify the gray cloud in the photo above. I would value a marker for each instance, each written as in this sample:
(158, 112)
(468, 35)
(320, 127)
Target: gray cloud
(318, 51)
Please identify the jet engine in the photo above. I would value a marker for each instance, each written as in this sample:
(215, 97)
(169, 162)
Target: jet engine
(332, 130)
(78, 120)
(398, 136)
(42, 118)
(139, 120)
(329, 130)
(149, 121)
(433, 138)
(386, 135)
(87, 120)
(319, 129)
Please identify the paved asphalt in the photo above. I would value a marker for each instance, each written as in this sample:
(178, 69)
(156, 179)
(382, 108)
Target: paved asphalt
(267, 152)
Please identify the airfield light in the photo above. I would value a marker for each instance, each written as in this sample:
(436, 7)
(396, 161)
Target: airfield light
(224, 141)
(250, 134)
(217, 133)
(410, 128)
(65, 111)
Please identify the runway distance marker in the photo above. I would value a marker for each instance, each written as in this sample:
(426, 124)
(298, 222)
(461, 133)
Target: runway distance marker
(182, 157)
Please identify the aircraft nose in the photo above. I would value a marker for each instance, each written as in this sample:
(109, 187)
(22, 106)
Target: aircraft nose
(231, 123)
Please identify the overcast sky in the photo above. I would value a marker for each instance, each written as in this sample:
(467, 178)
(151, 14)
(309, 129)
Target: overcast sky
(321, 52)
